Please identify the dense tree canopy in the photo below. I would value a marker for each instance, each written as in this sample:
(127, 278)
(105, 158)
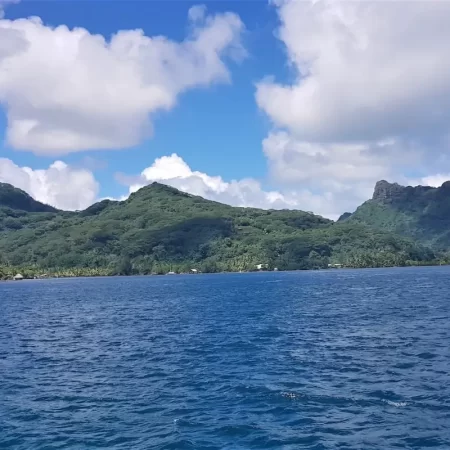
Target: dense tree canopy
(421, 213)
(160, 229)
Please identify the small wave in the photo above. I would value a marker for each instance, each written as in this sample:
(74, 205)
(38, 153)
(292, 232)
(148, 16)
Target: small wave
(396, 404)
(289, 395)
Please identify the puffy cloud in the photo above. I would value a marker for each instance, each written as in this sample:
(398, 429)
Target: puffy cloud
(370, 97)
(60, 185)
(173, 171)
(436, 180)
(365, 70)
(294, 160)
(68, 90)
(197, 13)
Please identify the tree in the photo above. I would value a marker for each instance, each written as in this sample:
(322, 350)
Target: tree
(124, 267)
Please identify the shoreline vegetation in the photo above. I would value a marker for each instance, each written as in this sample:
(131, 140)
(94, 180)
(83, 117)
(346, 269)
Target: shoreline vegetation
(160, 230)
(8, 273)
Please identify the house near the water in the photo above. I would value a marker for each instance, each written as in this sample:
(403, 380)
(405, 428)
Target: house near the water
(18, 277)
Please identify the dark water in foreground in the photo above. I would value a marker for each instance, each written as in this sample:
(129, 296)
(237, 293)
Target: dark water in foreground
(314, 360)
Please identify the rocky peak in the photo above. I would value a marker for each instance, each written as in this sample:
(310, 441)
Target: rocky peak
(385, 190)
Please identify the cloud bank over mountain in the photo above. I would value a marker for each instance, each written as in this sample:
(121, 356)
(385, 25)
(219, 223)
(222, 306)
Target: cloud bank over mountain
(59, 185)
(368, 98)
(371, 96)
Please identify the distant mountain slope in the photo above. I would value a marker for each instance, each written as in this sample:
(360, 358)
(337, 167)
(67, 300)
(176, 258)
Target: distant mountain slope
(159, 228)
(14, 198)
(420, 212)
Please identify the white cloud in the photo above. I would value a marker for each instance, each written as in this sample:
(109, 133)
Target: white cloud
(60, 185)
(370, 98)
(436, 180)
(68, 90)
(197, 13)
(366, 70)
(295, 160)
(173, 171)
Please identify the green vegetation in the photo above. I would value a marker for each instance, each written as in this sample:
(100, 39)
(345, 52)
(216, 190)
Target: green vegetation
(8, 272)
(160, 229)
(421, 213)
(17, 199)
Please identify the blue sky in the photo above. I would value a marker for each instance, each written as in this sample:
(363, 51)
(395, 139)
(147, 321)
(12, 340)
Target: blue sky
(198, 129)
(284, 104)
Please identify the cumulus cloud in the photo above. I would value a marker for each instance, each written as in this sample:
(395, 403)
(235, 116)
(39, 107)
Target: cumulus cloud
(436, 180)
(59, 185)
(174, 171)
(370, 97)
(67, 90)
(294, 160)
(365, 70)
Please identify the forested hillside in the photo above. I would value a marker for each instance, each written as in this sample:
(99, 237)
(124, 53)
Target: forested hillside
(160, 229)
(420, 212)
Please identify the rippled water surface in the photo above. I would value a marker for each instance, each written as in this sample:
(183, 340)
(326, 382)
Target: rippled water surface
(345, 359)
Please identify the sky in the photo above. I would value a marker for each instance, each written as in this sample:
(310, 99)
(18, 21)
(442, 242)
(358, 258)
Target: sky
(299, 104)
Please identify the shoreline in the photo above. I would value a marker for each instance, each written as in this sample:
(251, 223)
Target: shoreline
(333, 269)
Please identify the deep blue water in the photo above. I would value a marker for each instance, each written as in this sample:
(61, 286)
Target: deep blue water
(345, 359)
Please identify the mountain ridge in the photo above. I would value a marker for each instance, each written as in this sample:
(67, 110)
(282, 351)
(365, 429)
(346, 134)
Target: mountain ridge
(418, 212)
(159, 228)
(15, 198)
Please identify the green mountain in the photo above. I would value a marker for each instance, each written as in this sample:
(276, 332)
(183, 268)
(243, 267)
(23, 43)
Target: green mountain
(421, 212)
(159, 228)
(11, 197)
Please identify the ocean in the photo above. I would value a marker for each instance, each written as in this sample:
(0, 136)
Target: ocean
(336, 359)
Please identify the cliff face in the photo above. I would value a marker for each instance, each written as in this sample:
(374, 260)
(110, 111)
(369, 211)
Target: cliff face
(421, 212)
(385, 192)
